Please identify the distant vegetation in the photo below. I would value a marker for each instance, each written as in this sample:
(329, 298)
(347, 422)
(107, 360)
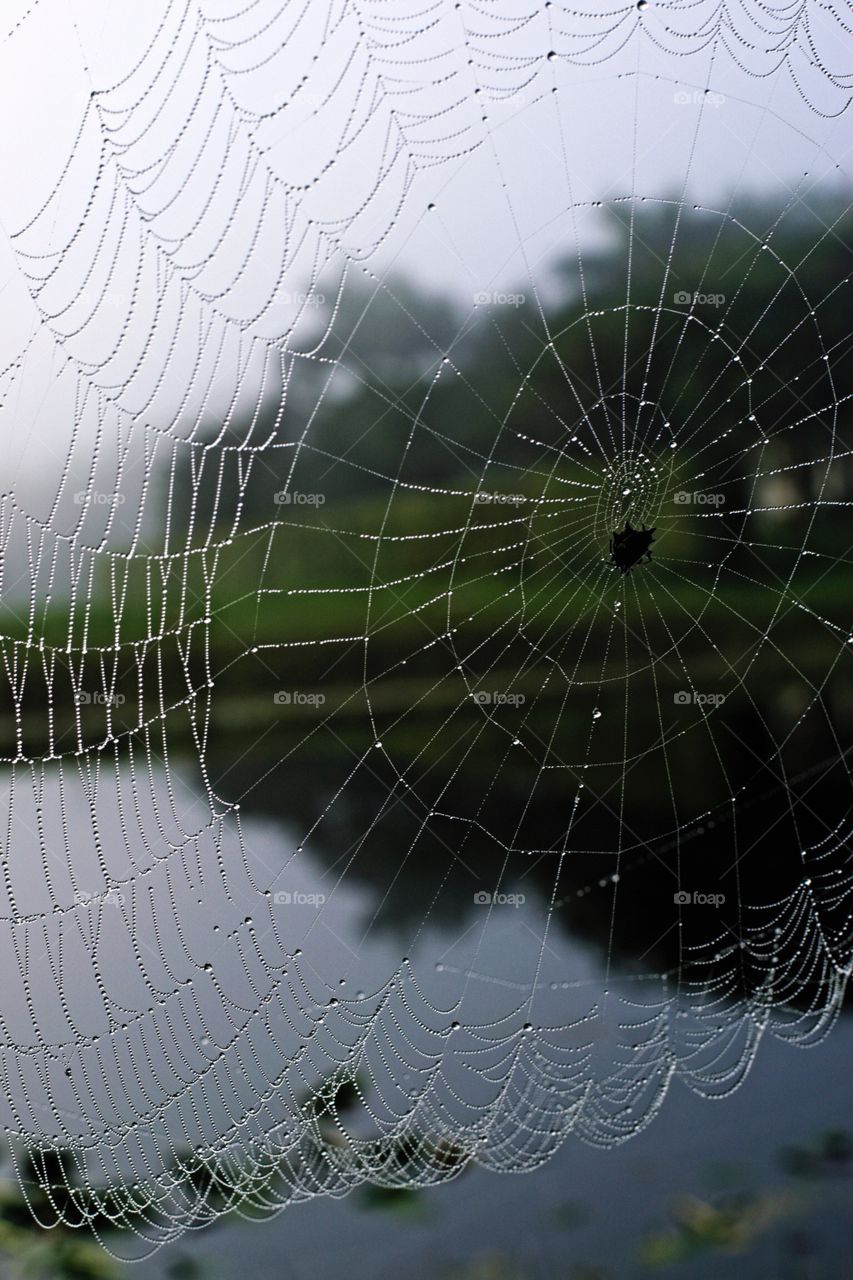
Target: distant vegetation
(381, 451)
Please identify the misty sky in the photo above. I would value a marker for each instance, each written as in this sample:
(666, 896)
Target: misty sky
(181, 181)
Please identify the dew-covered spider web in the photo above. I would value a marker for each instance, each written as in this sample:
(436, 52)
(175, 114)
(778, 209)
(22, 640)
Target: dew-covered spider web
(426, 559)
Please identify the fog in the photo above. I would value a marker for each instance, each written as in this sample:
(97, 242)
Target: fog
(154, 148)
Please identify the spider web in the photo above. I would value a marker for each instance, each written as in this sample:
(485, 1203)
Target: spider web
(201, 289)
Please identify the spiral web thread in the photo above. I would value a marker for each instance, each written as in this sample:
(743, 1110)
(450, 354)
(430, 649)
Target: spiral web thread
(167, 1035)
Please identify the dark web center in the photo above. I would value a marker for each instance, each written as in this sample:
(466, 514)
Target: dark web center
(630, 547)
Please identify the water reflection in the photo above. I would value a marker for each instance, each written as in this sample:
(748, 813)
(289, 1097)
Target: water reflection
(600, 850)
(191, 970)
